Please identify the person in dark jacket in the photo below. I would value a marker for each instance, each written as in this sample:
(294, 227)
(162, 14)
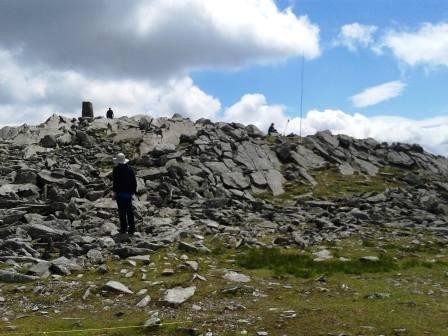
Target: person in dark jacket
(124, 187)
(110, 114)
(272, 130)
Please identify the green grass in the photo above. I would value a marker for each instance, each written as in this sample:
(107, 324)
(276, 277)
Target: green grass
(415, 284)
(332, 184)
(182, 145)
(303, 265)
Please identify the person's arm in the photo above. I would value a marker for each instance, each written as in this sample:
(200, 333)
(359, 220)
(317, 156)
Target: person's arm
(114, 184)
(115, 180)
(134, 181)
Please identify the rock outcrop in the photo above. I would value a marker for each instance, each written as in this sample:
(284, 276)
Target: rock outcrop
(199, 179)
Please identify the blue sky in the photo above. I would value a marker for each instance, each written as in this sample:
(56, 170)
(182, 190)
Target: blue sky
(339, 73)
(373, 68)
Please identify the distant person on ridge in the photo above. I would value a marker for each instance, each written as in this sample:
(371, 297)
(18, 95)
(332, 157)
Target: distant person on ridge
(124, 187)
(110, 114)
(272, 130)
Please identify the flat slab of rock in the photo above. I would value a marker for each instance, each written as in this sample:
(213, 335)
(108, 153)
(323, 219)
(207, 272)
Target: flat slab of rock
(142, 258)
(105, 203)
(67, 263)
(236, 277)
(39, 230)
(118, 286)
(130, 251)
(41, 269)
(187, 247)
(11, 277)
(179, 295)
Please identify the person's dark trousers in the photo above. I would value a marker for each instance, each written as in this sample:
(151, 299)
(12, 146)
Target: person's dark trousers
(126, 213)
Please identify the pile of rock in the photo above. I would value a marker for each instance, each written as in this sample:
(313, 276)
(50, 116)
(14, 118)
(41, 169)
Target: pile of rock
(194, 179)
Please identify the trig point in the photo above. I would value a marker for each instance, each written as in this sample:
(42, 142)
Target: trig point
(87, 110)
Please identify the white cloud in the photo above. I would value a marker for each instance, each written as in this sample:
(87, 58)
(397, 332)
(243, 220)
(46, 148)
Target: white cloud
(153, 38)
(181, 95)
(426, 46)
(355, 35)
(29, 95)
(431, 133)
(135, 57)
(377, 94)
(253, 109)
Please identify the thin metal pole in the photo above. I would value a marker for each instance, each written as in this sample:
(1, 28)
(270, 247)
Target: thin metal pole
(301, 94)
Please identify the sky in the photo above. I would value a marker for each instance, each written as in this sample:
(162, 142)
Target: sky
(371, 68)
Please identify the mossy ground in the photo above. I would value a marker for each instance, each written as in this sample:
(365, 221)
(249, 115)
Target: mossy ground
(406, 293)
(331, 184)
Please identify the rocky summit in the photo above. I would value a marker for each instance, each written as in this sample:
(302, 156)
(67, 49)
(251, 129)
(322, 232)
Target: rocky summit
(199, 183)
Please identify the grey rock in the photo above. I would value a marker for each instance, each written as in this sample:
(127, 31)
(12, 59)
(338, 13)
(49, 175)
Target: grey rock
(25, 176)
(118, 287)
(366, 167)
(41, 269)
(67, 264)
(162, 149)
(11, 277)
(369, 258)
(153, 321)
(236, 277)
(129, 251)
(346, 169)
(235, 180)
(95, 256)
(143, 302)
(328, 138)
(178, 295)
(193, 265)
(275, 181)
(253, 131)
(187, 247)
(38, 231)
(258, 179)
(400, 159)
(48, 141)
(21, 190)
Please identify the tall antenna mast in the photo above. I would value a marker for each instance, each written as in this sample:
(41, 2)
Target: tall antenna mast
(301, 94)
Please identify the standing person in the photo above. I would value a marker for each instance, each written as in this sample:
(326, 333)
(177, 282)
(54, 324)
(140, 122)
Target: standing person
(110, 114)
(124, 187)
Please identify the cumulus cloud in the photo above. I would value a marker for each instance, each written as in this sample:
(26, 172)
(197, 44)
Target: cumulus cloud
(377, 94)
(154, 39)
(432, 133)
(28, 94)
(355, 35)
(181, 95)
(427, 45)
(254, 109)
